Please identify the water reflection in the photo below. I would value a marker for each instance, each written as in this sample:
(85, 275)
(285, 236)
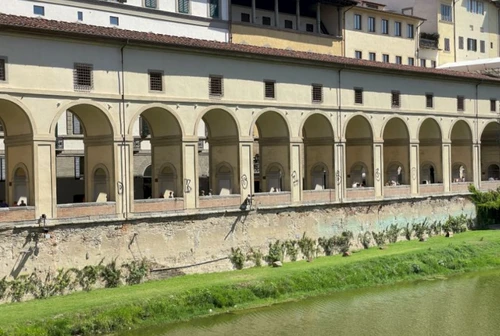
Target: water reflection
(467, 305)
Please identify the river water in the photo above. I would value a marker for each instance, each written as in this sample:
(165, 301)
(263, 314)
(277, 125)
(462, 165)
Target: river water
(464, 305)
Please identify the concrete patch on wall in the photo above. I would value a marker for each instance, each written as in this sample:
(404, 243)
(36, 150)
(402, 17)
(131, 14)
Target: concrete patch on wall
(193, 244)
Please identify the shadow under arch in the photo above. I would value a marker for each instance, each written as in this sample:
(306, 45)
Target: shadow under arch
(162, 120)
(396, 136)
(430, 137)
(359, 149)
(15, 117)
(357, 117)
(490, 151)
(264, 121)
(220, 122)
(318, 137)
(461, 152)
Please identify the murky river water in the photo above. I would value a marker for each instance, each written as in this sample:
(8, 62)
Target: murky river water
(466, 305)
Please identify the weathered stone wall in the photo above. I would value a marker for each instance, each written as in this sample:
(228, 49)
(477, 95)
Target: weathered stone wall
(188, 240)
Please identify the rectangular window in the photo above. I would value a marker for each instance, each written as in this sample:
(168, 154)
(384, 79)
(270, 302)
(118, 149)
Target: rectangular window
(358, 96)
(151, 3)
(446, 44)
(155, 81)
(39, 10)
(493, 105)
(411, 61)
(397, 28)
(471, 44)
(385, 58)
(79, 167)
(317, 93)
(446, 13)
(288, 24)
(79, 16)
(113, 20)
(310, 27)
(82, 77)
(429, 100)
(410, 31)
(245, 17)
(399, 60)
(2, 168)
(214, 9)
(372, 56)
(269, 89)
(395, 99)
(358, 54)
(482, 46)
(433, 64)
(266, 20)
(423, 63)
(385, 26)
(357, 22)
(3, 76)
(461, 42)
(76, 125)
(183, 6)
(475, 6)
(215, 86)
(371, 24)
(460, 103)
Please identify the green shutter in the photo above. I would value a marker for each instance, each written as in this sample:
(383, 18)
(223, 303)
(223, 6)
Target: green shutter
(214, 9)
(183, 6)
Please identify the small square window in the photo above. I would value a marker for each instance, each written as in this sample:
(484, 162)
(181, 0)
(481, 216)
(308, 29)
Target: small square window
(446, 44)
(155, 81)
(288, 24)
(372, 56)
(269, 89)
(3, 76)
(245, 17)
(266, 20)
(493, 105)
(460, 103)
(399, 60)
(385, 58)
(358, 54)
(215, 86)
(461, 42)
(310, 27)
(82, 77)
(39, 10)
(429, 100)
(79, 16)
(411, 61)
(358, 96)
(151, 3)
(317, 93)
(113, 20)
(395, 99)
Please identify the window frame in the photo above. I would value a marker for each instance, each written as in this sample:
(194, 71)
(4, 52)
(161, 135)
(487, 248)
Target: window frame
(411, 61)
(358, 22)
(372, 24)
(397, 29)
(461, 42)
(144, 4)
(211, 87)
(3, 168)
(245, 15)
(315, 88)
(78, 162)
(410, 31)
(385, 27)
(358, 93)
(493, 105)
(268, 83)
(396, 99)
(209, 14)
(386, 58)
(150, 86)
(3, 68)
(111, 17)
(449, 16)
(374, 58)
(289, 22)
(358, 52)
(398, 58)
(42, 8)
(79, 16)
(460, 103)
(447, 44)
(83, 87)
(267, 18)
(178, 7)
(429, 100)
(482, 46)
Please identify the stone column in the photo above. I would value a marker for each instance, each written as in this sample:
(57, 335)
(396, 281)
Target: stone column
(124, 172)
(318, 16)
(276, 14)
(340, 171)
(414, 171)
(476, 164)
(296, 166)
(446, 153)
(254, 11)
(378, 168)
(190, 173)
(297, 13)
(246, 169)
(44, 178)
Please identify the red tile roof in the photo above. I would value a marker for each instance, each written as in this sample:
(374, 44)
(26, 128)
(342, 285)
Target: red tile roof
(15, 23)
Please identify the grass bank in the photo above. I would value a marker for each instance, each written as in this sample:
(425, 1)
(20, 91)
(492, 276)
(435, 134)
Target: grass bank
(108, 310)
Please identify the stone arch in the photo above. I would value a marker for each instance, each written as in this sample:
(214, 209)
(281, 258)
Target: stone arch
(224, 175)
(21, 184)
(16, 118)
(462, 124)
(430, 138)
(229, 125)
(161, 115)
(357, 117)
(359, 150)
(318, 137)
(493, 171)
(461, 151)
(490, 150)
(167, 180)
(95, 117)
(274, 176)
(396, 137)
(358, 173)
(264, 121)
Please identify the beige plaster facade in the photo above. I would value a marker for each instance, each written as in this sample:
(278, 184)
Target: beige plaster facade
(314, 136)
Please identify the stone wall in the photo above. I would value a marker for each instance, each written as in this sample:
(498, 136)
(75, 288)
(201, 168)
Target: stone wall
(203, 240)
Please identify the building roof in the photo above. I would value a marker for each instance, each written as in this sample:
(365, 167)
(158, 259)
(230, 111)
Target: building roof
(473, 65)
(38, 26)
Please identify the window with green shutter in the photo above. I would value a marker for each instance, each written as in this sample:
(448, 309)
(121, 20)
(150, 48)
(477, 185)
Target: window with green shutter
(150, 3)
(183, 6)
(214, 9)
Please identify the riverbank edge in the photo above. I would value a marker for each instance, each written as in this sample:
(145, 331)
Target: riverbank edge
(213, 299)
